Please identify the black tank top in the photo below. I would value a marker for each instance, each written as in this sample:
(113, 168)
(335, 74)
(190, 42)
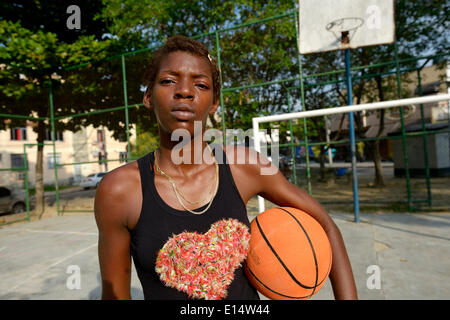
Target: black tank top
(158, 222)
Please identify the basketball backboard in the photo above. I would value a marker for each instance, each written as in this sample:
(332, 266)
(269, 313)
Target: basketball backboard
(327, 25)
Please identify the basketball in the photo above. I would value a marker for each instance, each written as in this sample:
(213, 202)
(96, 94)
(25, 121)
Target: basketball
(289, 257)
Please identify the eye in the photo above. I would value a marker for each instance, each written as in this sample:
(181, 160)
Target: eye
(166, 81)
(203, 86)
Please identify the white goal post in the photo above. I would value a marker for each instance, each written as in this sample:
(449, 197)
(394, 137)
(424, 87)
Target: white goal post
(324, 112)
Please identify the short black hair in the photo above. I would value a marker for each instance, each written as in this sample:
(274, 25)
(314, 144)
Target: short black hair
(182, 43)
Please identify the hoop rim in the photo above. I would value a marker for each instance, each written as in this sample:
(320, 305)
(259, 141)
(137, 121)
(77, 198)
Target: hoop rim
(333, 23)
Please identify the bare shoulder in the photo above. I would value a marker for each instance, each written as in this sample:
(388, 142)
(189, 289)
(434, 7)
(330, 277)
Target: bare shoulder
(118, 180)
(119, 195)
(247, 159)
(248, 168)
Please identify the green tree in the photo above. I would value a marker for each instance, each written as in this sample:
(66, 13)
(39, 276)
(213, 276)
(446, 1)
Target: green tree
(421, 28)
(249, 55)
(32, 57)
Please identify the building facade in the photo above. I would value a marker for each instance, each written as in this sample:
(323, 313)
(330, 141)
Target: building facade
(79, 154)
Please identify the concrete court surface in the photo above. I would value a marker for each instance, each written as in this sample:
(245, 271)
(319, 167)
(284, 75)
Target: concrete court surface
(38, 260)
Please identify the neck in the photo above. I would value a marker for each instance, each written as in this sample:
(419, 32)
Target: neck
(186, 157)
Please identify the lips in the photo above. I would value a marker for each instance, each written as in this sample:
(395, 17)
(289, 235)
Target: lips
(183, 112)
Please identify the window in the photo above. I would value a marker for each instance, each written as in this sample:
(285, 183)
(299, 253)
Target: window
(100, 135)
(102, 157)
(19, 133)
(4, 192)
(123, 157)
(58, 135)
(17, 161)
(123, 137)
(50, 160)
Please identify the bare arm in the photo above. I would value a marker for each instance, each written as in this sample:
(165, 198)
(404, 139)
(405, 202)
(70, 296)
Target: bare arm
(112, 209)
(278, 190)
(341, 275)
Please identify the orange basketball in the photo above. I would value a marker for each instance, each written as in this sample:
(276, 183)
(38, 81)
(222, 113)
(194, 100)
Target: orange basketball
(289, 256)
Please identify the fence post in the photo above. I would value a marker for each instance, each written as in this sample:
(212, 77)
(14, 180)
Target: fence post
(125, 99)
(27, 186)
(302, 92)
(291, 130)
(402, 119)
(222, 106)
(55, 165)
(425, 142)
(348, 76)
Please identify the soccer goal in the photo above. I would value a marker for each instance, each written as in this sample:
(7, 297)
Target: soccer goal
(337, 110)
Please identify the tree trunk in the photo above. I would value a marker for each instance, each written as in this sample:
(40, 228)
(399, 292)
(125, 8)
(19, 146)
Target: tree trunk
(322, 163)
(39, 183)
(326, 174)
(379, 178)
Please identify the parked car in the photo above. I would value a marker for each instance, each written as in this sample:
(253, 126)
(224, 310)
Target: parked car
(12, 200)
(92, 180)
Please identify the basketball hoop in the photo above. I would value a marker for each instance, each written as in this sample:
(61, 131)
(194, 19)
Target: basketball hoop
(329, 25)
(344, 29)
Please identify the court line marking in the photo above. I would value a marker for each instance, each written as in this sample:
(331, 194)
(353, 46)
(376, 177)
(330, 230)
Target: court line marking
(50, 266)
(62, 232)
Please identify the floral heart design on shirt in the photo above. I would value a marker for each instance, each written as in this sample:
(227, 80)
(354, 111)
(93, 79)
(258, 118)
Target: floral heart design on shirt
(203, 265)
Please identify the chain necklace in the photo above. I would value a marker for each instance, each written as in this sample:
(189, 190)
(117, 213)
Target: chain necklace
(181, 197)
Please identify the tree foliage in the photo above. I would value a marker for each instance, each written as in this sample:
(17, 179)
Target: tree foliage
(34, 49)
(36, 46)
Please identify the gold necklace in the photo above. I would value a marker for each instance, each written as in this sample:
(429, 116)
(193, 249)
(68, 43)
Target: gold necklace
(179, 191)
(180, 195)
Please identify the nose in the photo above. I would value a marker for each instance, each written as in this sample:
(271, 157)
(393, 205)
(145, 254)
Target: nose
(184, 90)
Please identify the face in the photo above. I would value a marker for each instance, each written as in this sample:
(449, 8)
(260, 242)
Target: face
(182, 92)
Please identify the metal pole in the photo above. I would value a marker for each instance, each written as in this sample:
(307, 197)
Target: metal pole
(425, 140)
(327, 138)
(55, 165)
(309, 85)
(291, 144)
(125, 99)
(355, 108)
(255, 125)
(85, 114)
(346, 109)
(352, 135)
(27, 187)
(402, 120)
(302, 92)
(222, 106)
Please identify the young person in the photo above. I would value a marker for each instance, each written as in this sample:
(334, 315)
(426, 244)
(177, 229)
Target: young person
(148, 207)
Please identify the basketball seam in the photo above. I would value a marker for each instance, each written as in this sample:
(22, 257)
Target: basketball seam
(279, 259)
(280, 294)
(310, 244)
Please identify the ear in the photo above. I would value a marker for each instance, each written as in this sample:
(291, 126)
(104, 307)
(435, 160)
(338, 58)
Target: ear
(147, 100)
(214, 107)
